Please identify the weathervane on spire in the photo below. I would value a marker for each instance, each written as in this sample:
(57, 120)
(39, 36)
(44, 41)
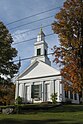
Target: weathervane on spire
(41, 31)
(41, 28)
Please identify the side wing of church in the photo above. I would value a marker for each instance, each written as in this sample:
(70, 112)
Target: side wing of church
(39, 81)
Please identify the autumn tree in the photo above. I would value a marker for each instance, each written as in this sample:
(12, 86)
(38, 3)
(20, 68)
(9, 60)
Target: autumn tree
(7, 94)
(7, 53)
(69, 55)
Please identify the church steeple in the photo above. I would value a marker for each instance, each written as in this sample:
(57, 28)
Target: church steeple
(41, 48)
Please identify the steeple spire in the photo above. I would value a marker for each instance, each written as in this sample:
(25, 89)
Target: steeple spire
(41, 31)
(41, 35)
(41, 48)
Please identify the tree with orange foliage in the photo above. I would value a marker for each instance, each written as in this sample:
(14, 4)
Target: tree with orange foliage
(7, 94)
(69, 55)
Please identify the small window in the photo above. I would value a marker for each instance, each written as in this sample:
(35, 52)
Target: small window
(38, 52)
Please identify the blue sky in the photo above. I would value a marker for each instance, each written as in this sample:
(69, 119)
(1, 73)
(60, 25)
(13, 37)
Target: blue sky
(12, 10)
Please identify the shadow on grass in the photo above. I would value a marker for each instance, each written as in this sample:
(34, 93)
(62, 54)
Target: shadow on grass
(69, 108)
(49, 121)
(58, 109)
(65, 108)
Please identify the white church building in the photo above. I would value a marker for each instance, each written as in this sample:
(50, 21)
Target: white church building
(40, 79)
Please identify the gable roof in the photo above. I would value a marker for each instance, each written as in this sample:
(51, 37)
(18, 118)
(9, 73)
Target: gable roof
(38, 69)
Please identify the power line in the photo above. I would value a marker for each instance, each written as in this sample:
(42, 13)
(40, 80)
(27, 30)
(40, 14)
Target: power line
(30, 57)
(30, 39)
(24, 41)
(33, 15)
(31, 30)
(31, 22)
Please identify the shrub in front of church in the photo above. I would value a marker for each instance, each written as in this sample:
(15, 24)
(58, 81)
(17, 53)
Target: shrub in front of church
(18, 104)
(54, 98)
(18, 100)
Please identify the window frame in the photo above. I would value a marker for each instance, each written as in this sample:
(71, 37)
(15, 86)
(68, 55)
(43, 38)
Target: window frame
(38, 51)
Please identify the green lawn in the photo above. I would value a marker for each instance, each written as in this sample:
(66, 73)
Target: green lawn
(66, 114)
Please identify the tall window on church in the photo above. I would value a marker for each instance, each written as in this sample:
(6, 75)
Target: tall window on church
(38, 52)
(45, 52)
(36, 92)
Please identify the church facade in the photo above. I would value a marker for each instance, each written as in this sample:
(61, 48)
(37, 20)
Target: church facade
(39, 81)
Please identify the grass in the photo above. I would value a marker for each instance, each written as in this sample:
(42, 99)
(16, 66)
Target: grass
(66, 114)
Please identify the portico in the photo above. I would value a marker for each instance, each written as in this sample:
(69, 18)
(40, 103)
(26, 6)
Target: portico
(39, 90)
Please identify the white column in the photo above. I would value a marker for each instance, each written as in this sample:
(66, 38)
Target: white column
(43, 91)
(22, 91)
(52, 88)
(60, 91)
(25, 97)
(30, 91)
(78, 98)
(17, 90)
(63, 93)
(69, 94)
